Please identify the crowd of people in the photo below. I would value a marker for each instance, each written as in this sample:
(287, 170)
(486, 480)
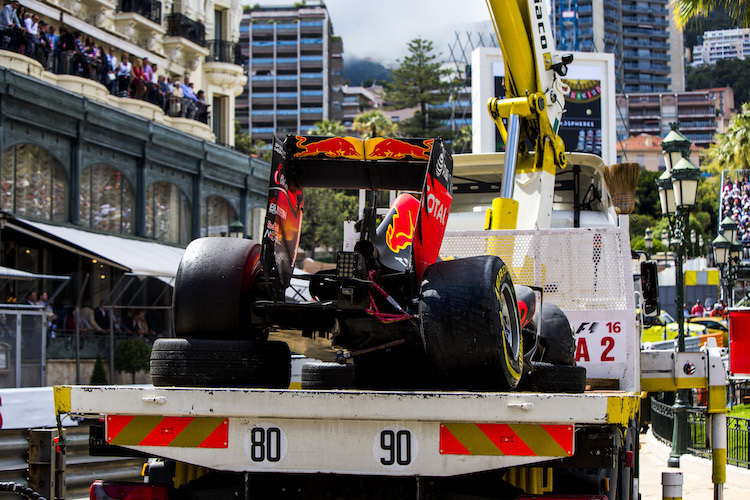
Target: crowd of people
(69, 317)
(708, 309)
(66, 52)
(735, 203)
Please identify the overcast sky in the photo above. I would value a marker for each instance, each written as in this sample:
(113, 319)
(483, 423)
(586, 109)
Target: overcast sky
(381, 29)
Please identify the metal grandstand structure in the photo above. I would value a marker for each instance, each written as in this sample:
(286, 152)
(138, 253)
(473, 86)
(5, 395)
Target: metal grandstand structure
(460, 91)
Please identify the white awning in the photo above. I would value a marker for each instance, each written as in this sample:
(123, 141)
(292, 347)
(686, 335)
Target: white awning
(142, 258)
(17, 274)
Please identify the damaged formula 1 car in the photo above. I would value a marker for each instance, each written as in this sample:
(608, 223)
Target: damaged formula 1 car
(404, 318)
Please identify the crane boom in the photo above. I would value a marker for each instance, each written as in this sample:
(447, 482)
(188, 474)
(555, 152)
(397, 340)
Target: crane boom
(535, 93)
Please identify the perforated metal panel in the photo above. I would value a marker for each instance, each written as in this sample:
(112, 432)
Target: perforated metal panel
(582, 269)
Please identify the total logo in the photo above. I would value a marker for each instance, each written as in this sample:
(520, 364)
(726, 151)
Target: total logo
(435, 207)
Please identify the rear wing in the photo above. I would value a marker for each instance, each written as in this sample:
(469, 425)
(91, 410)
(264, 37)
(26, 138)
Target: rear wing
(351, 163)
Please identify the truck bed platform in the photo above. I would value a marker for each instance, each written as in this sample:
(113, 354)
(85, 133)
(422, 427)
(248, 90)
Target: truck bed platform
(343, 431)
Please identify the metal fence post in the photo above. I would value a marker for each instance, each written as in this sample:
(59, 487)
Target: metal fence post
(671, 484)
(42, 461)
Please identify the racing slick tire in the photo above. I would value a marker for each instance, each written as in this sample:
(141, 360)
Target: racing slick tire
(220, 363)
(214, 288)
(323, 375)
(556, 339)
(549, 377)
(470, 323)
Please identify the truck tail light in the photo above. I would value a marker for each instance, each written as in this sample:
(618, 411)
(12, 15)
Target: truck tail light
(629, 459)
(101, 490)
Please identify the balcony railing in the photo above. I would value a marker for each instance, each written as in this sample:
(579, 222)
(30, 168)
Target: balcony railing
(182, 26)
(150, 9)
(223, 51)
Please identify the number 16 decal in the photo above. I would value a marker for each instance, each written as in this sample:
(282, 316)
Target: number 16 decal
(395, 448)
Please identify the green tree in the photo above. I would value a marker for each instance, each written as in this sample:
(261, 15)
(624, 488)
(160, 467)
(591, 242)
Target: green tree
(732, 148)
(324, 216)
(132, 356)
(418, 82)
(462, 143)
(244, 144)
(374, 123)
(647, 194)
(99, 375)
(739, 10)
(328, 127)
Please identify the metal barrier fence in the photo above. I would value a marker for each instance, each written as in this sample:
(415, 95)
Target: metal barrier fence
(738, 433)
(31, 355)
(80, 470)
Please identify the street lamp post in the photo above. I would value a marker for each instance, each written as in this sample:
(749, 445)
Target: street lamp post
(648, 241)
(693, 241)
(721, 257)
(678, 187)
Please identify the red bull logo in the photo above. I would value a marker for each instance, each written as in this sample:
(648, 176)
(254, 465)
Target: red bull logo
(400, 231)
(331, 147)
(396, 149)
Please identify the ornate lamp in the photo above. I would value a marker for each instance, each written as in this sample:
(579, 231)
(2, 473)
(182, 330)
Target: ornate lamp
(236, 229)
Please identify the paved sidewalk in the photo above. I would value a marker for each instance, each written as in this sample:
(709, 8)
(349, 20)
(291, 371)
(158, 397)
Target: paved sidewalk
(696, 474)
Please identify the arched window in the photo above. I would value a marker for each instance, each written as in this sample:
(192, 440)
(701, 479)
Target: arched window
(34, 183)
(216, 215)
(167, 213)
(107, 200)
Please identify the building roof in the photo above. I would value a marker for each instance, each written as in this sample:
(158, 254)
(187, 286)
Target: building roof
(646, 142)
(642, 142)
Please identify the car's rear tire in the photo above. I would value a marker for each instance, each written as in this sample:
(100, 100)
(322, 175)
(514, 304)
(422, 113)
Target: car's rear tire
(470, 323)
(215, 285)
(326, 375)
(549, 377)
(220, 363)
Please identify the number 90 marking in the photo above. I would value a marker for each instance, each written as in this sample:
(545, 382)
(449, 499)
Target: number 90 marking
(395, 448)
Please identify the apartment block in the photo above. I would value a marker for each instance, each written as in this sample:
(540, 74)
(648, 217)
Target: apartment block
(640, 33)
(295, 66)
(722, 44)
(701, 113)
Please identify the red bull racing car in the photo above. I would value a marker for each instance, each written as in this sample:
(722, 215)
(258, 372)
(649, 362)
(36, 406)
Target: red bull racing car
(403, 318)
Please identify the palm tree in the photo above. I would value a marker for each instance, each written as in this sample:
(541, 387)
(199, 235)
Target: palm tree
(739, 10)
(374, 123)
(732, 148)
(328, 127)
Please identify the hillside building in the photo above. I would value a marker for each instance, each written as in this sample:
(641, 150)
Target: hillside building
(295, 68)
(722, 44)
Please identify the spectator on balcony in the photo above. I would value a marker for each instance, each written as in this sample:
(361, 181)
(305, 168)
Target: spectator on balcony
(202, 114)
(79, 65)
(175, 100)
(138, 85)
(124, 75)
(189, 105)
(93, 57)
(110, 60)
(161, 92)
(67, 50)
(32, 34)
(54, 49)
(10, 25)
(44, 49)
